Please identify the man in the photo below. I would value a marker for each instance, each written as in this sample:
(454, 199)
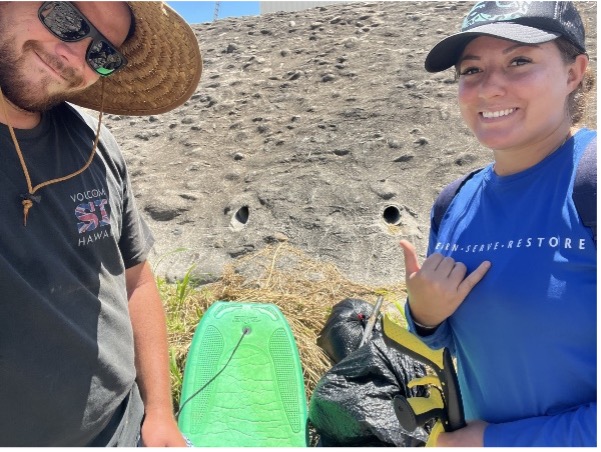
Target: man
(82, 329)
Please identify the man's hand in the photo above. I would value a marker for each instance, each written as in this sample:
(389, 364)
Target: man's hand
(439, 286)
(470, 436)
(161, 432)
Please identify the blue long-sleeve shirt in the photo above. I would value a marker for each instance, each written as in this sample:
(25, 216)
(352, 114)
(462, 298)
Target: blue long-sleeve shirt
(525, 337)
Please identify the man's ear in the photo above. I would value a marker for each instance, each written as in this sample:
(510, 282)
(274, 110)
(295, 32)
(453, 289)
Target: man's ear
(577, 71)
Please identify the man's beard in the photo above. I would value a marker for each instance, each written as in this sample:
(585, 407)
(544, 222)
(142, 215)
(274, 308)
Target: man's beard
(18, 90)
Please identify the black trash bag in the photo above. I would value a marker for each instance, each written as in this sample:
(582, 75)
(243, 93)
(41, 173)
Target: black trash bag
(352, 403)
(344, 328)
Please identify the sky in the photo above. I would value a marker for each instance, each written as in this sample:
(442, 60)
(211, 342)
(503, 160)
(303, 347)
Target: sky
(198, 12)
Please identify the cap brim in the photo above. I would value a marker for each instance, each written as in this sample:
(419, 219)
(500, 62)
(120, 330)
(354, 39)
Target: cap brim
(448, 51)
(163, 69)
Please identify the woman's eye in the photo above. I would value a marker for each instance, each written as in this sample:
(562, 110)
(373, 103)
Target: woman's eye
(520, 61)
(469, 71)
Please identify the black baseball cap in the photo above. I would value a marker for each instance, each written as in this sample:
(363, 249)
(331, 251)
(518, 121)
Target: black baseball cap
(531, 22)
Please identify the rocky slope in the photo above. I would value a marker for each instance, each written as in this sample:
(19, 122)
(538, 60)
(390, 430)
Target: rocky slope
(318, 127)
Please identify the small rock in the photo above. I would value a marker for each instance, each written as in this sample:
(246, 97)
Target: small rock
(395, 144)
(403, 158)
(465, 159)
(351, 43)
(280, 237)
(276, 237)
(295, 75)
(231, 48)
(384, 191)
(160, 213)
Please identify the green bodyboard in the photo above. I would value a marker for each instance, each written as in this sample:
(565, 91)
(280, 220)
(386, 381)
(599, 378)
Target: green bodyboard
(258, 400)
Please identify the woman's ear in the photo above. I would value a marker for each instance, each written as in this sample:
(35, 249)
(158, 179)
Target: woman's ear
(577, 71)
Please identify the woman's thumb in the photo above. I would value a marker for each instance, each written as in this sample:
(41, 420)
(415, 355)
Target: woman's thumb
(411, 262)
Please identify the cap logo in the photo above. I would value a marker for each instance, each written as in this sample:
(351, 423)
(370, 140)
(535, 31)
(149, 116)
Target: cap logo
(502, 11)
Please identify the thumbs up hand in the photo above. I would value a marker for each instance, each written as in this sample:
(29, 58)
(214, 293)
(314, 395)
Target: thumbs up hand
(439, 286)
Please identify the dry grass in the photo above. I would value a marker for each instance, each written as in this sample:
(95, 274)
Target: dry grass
(303, 288)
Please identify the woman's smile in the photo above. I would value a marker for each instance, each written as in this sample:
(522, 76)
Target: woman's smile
(498, 113)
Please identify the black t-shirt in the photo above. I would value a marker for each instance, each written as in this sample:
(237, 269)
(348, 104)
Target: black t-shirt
(66, 343)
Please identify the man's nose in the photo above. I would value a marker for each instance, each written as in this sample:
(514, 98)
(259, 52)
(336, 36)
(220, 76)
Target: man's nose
(73, 54)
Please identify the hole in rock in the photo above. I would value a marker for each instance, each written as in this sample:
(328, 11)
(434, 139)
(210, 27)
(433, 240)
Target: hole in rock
(240, 218)
(392, 215)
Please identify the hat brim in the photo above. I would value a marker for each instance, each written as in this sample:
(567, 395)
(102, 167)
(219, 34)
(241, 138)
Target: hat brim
(447, 52)
(163, 70)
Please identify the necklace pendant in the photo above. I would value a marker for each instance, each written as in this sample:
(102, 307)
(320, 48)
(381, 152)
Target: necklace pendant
(27, 201)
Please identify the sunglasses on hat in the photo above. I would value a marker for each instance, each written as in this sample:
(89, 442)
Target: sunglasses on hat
(65, 22)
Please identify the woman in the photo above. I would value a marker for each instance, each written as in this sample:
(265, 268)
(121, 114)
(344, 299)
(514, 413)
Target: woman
(509, 284)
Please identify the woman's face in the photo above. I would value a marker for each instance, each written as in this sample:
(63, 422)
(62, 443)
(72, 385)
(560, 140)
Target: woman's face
(512, 95)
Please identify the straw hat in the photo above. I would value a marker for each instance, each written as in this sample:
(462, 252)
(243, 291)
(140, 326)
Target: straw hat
(163, 69)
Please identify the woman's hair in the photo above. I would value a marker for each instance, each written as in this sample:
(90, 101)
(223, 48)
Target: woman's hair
(578, 99)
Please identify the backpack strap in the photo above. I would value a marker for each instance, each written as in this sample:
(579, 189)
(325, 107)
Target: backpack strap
(584, 193)
(446, 196)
